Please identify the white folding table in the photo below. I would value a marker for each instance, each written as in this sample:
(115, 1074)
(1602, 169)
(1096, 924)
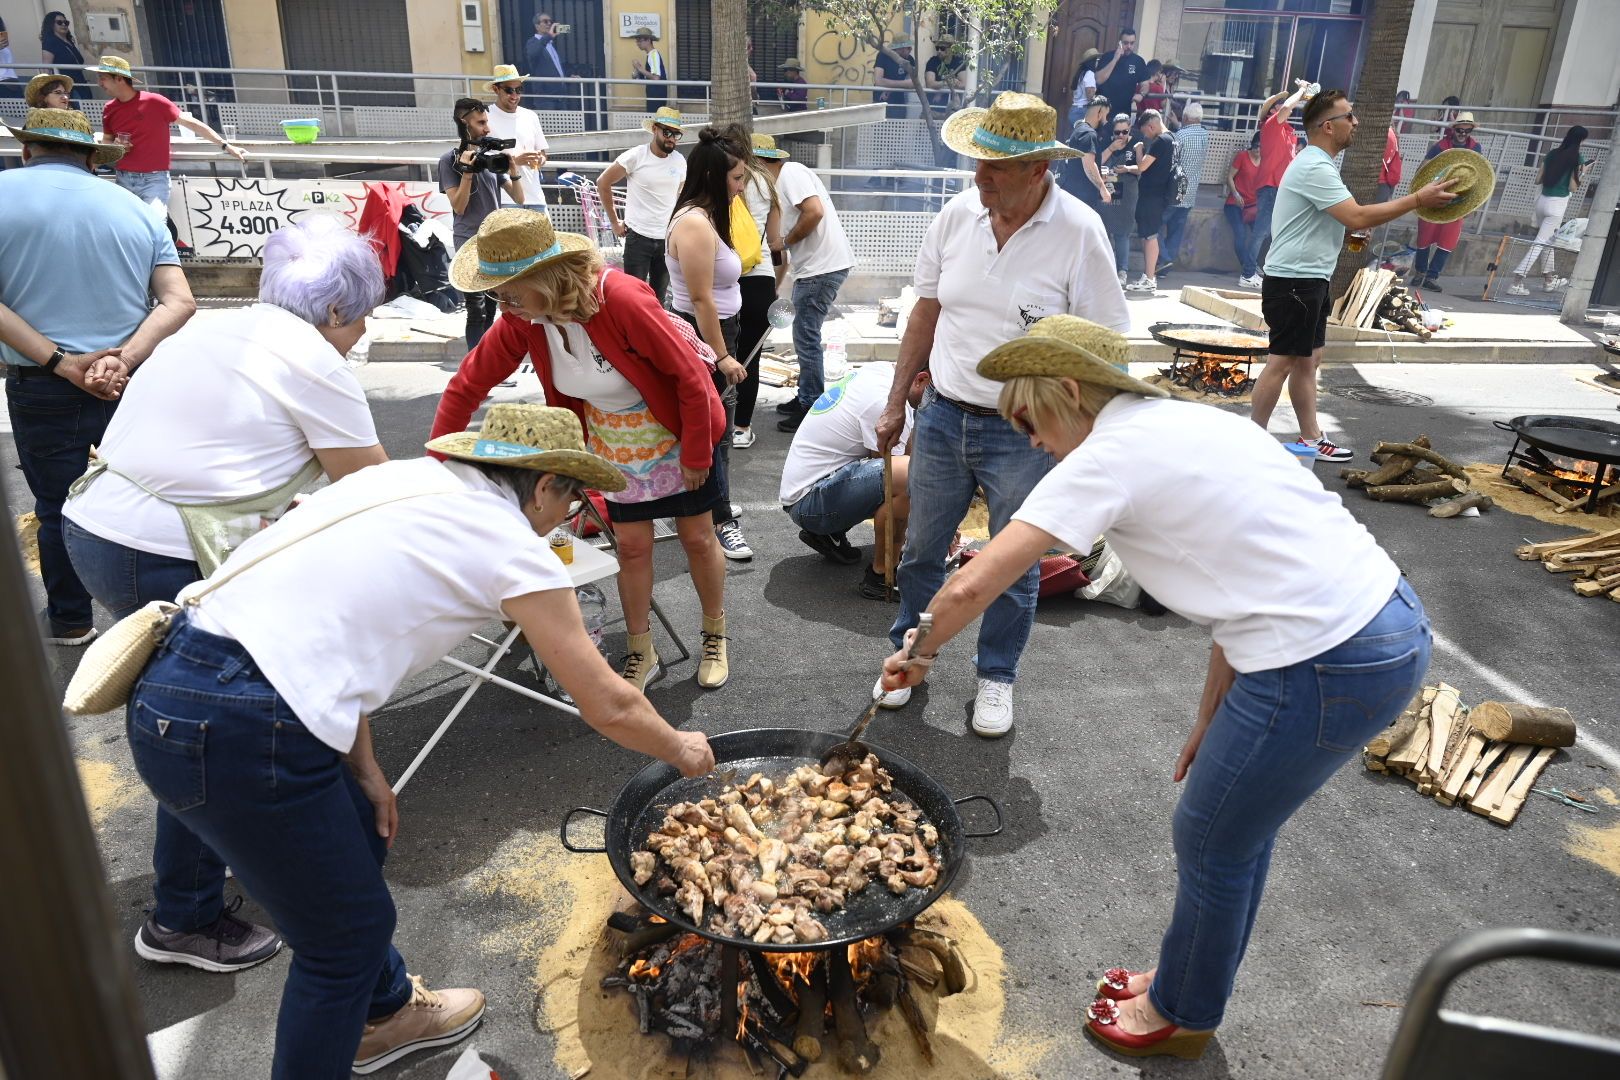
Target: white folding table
(591, 564)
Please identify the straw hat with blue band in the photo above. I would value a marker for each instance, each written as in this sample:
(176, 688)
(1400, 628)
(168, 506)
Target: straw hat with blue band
(504, 73)
(116, 65)
(538, 437)
(509, 244)
(40, 85)
(1068, 347)
(65, 127)
(765, 147)
(664, 117)
(1016, 127)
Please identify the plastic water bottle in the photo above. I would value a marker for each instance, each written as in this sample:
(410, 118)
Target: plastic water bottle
(834, 354)
(593, 609)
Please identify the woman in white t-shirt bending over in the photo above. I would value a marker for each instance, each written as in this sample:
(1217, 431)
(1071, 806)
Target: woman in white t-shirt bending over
(230, 418)
(250, 722)
(1318, 641)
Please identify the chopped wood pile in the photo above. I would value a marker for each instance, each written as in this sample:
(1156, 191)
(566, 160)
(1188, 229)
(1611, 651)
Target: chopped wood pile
(1415, 472)
(1486, 758)
(1376, 301)
(1593, 559)
(1566, 491)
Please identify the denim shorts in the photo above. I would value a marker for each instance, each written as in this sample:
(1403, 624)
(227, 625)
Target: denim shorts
(842, 499)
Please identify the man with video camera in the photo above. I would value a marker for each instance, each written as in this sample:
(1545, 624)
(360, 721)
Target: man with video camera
(472, 175)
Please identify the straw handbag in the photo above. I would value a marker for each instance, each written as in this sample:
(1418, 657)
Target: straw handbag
(112, 663)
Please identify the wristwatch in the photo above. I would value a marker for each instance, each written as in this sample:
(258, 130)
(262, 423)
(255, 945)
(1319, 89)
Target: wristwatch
(57, 357)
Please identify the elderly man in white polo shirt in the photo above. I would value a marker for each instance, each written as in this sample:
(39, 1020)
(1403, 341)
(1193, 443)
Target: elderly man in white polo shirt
(995, 260)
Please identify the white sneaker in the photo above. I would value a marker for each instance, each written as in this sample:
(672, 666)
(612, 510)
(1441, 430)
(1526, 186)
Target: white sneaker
(1554, 284)
(742, 438)
(992, 709)
(1122, 279)
(1518, 289)
(1249, 282)
(1143, 284)
(890, 699)
(1328, 451)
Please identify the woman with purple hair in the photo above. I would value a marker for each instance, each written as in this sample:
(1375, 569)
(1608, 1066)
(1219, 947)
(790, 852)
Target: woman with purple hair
(230, 418)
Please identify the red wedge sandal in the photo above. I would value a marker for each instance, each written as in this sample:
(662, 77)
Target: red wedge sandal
(1102, 1022)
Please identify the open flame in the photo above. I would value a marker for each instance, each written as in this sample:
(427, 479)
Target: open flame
(1211, 373)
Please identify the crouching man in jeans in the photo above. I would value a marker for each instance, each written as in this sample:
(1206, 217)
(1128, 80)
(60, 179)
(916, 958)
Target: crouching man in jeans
(833, 477)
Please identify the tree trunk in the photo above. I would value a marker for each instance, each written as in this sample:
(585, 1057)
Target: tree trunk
(1375, 107)
(730, 95)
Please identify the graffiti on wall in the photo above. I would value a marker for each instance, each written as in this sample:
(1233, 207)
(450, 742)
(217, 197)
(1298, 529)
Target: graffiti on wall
(843, 57)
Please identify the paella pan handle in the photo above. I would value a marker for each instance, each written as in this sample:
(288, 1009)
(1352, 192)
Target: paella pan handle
(994, 805)
(1503, 425)
(563, 831)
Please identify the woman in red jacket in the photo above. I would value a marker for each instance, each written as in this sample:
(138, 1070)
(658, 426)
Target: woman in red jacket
(603, 347)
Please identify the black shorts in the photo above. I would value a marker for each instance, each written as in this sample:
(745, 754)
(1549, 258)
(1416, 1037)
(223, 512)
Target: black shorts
(1150, 214)
(1296, 311)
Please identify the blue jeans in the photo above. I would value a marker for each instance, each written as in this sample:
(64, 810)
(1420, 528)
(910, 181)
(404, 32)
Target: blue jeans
(188, 879)
(223, 752)
(1260, 231)
(842, 499)
(1276, 738)
(1175, 227)
(812, 298)
(954, 453)
(54, 424)
(152, 188)
(1242, 241)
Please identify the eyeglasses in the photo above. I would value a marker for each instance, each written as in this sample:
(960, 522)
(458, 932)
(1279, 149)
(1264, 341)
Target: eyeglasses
(504, 299)
(1021, 422)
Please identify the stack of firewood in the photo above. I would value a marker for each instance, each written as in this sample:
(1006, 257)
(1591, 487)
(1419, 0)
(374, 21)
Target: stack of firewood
(1487, 757)
(1593, 559)
(1376, 300)
(1414, 472)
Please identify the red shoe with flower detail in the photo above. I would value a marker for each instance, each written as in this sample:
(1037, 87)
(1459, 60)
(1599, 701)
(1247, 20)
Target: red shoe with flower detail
(1102, 1022)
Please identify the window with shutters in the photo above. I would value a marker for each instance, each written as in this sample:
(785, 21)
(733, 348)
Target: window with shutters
(775, 36)
(355, 35)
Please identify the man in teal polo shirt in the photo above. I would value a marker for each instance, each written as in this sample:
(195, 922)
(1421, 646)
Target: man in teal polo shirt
(78, 257)
(1307, 226)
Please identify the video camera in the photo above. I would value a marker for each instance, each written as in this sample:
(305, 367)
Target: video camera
(492, 156)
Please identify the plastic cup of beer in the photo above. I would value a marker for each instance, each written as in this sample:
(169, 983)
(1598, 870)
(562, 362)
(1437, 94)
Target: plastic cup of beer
(1356, 240)
(562, 545)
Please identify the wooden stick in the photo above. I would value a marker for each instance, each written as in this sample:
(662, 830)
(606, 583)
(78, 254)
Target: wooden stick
(914, 1020)
(1532, 552)
(1452, 507)
(1404, 758)
(1489, 796)
(1510, 721)
(1462, 768)
(1541, 487)
(1476, 776)
(1514, 800)
(1418, 492)
(1441, 715)
(1423, 453)
(1397, 733)
(888, 524)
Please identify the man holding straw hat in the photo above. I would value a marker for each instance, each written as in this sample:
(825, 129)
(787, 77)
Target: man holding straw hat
(1313, 209)
(66, 360)
(998, 258)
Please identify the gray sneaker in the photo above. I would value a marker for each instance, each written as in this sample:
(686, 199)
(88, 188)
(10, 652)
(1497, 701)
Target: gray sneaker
(230, 944)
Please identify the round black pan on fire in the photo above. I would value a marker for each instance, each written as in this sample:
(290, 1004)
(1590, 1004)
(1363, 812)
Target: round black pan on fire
(639, 810)
(1597, 441)
(1206, 338)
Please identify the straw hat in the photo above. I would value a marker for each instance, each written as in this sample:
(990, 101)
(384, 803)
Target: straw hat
(944, 39)
(40, 85)
(65, 127)
(1463, 118)
(504, 73)
(1015, 127)
(509, 244)
(900, 41)
(116, 65)
(538, 437)
(1067, 346)
(765, 147)
(1089, 54)
(790, 64)
(664, 117)
(645, 32)
(1475, 182)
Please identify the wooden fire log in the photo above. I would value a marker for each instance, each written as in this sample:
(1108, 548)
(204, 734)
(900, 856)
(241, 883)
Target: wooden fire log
(1422, 453)
(1509, 721)
(1397, 733)
(949, 962)
(811, 1024)
(1452, 507)
(729, 978)
(915, 1021)
(856, 1052)
(1418, 493)
(652, 934)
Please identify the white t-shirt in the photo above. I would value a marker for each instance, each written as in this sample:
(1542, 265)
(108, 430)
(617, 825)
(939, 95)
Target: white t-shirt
(827, 248)
(650, 192)
(229, 406)
(1220, 524)
(339, 619)
(1088, 81)
(841, 427)
(1060, 262)
(580, 371)
(757, 194)
(524, 126)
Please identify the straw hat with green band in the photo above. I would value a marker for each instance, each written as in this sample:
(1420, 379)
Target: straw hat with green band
(765, 147)
(116, 65)
(664, 117)
(538, 437)
(40, 85)
(65, 127)
(504, 73)
(509, 244)
(1016, 127)
(1068, 347)
(1475, 180)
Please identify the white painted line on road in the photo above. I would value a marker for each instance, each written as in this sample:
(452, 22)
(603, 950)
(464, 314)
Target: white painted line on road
(1501, 682)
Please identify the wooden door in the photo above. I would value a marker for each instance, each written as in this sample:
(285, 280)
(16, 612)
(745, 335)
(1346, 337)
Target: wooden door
(1450, 49)
(1076, 26)
(1520, 61)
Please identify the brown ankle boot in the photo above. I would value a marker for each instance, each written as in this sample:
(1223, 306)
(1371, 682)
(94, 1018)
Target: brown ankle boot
(641, 661)
(713, 671)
